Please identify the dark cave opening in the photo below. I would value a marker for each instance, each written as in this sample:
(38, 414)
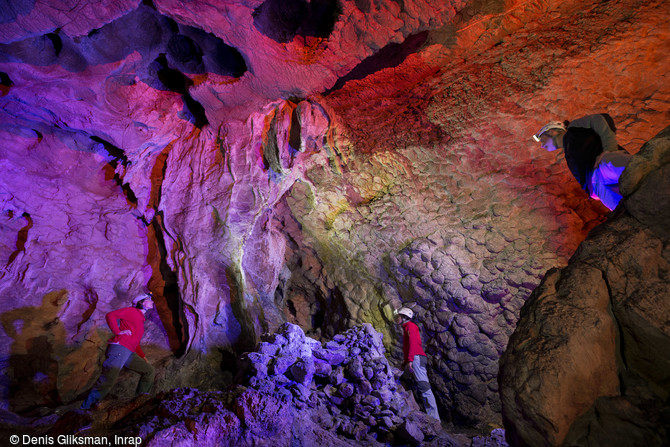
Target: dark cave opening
(193, 50)
(228, 362)
(282, 20)
(175, 81)
(291, 307)
(56, 41)
(5, 83)
(197, 111)
(318, 318)
(184, 51)
(226, 60)
(171, 79)
(5, 80)
(295, 131)
(150, 4)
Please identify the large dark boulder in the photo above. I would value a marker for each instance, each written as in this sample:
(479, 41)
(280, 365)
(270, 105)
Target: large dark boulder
(589, 361)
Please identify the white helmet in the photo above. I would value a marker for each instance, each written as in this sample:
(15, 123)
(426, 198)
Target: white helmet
(409, 313)
(547, 127)
(142, 297)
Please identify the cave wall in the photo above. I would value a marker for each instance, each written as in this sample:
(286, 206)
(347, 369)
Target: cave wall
(463, 222)
(321, 163)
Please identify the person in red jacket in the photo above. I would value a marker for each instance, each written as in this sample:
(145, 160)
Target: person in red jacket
(123, 350)
(416, 359)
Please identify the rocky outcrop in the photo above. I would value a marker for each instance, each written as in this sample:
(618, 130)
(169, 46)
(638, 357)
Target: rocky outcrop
(294, 391)
(348, 379)
(589, 361)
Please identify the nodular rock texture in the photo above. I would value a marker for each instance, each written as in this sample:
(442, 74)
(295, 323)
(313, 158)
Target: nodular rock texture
(589, 361)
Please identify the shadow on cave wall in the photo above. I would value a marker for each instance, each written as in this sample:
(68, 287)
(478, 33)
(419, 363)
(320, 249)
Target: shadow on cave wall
(30, 370)
(188, 49)
(11, 9)
(391, 55)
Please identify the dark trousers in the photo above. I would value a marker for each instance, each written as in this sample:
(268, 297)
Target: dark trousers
(119, 357)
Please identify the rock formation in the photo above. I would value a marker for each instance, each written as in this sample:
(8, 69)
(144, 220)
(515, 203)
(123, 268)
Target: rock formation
(589, 361)
(294, 391)
(349, 377)
(317, 162)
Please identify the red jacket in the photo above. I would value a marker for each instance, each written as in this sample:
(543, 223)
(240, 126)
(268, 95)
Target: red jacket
(132, 319)
(411, 341)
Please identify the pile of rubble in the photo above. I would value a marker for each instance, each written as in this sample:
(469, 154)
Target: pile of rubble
(349, 377)
(292, 391)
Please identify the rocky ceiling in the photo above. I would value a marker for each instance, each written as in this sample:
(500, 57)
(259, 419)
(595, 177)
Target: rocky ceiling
(319, 162)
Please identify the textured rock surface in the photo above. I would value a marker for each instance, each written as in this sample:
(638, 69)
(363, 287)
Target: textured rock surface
(317, 164)
(277, 407)
(589, 362)
(346, 381)
(464, 218)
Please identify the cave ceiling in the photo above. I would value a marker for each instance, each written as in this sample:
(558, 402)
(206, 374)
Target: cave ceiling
(320, 162)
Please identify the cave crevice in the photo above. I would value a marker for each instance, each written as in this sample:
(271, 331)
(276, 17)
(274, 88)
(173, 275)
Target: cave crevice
(56, 41)
(295, 131)
(282, 20)
(175, 322)
(11, 10)
(170, 305)
(118, 156)
(21, 239)
(5, 83)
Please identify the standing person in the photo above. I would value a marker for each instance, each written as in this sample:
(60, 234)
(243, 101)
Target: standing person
(591, 152)
(123, 350)
(416, 359)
